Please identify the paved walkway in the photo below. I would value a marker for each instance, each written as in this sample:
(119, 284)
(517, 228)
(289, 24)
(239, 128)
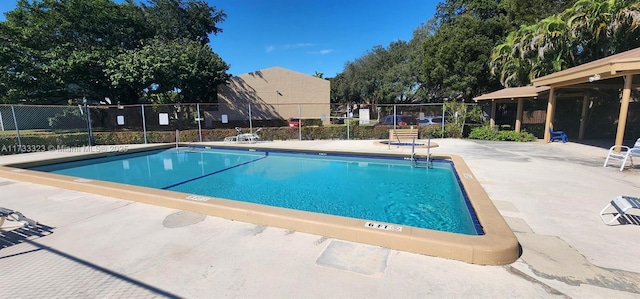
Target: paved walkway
(550, 194)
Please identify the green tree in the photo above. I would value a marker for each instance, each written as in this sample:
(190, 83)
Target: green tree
(160, 68)
(58, 43)
(176, 19)
(527, 12)
(455, 56)
(587, 31)
(52, 51)
(382, 75)
(447, 56)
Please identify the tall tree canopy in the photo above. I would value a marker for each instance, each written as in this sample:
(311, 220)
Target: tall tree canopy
(455, 55)
(586, 31)
(55, 50)
(382, 75)
(446, 57)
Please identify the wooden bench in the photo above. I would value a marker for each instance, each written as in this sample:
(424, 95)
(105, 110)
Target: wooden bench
(403, 134)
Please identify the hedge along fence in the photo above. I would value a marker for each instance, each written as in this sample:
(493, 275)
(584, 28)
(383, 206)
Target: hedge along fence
(38, 141)
(267, 133)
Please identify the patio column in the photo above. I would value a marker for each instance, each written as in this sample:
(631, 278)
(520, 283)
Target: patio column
(624, 109)
(548, 124)
(492, 120)
(519, 115)
(583, 116)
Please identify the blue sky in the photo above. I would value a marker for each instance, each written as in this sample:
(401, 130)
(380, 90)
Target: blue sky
(307, 35)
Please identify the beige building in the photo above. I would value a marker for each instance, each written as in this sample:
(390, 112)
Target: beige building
(275, 94)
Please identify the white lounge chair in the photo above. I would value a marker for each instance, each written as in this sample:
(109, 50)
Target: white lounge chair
(250, 137)
(624, 153)
(621, 204)
(8, 214)
(236, 138)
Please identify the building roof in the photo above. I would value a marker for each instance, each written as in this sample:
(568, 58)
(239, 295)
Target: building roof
(514, 93)
(609, 67)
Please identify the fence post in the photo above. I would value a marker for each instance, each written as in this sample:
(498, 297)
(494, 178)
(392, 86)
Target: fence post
(300, 122)
(443, 119)
(199, 121)
(144, 124)
(348, 108)
(250, 120)
(90, 131)
(1, 123)
(395, 121)
(15, 123)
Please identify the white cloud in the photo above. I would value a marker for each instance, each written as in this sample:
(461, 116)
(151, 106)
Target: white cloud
(321, 52)
(300, 45)
(272, 48)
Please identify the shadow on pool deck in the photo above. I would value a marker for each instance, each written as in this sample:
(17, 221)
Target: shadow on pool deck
(16, 236)
(98, 281)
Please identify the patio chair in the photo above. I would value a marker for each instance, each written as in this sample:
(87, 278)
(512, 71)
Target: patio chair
(621, 204)
(250, 137)
(623, 153)
(558, 135)
(15, 216)
(235, 138)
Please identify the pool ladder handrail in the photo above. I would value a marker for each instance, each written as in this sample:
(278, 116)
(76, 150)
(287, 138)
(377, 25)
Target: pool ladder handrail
(414, 160)
(397, 137)
(177, 138)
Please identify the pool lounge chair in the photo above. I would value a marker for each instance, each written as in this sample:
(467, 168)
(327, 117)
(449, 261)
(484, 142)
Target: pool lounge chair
(235, 138)
(558, 135)
(622, 204)
(11, 215)
(249, 137)
(623, 153)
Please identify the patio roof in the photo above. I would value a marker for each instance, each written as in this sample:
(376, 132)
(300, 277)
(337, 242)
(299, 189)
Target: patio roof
(615, 71)
(514, 93)
(613, 66)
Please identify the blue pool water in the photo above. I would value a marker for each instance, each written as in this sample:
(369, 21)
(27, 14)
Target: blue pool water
(376, 189)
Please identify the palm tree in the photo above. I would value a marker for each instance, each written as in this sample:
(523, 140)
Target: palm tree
(507, 63)
(588, 30)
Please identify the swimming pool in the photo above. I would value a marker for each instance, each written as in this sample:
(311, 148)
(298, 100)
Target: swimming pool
(496, 246)
(385, 189)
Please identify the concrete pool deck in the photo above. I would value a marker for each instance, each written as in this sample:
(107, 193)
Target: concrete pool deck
(550, 195)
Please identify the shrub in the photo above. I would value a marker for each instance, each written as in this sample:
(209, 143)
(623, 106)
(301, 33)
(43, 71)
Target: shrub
(354, 122)
(483, 133)
(486, 133)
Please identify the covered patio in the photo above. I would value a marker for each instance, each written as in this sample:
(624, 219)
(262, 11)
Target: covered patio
(618, 71)
(613, 72)
(508, 96)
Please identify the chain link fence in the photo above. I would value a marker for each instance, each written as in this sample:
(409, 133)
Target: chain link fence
(30, 128)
